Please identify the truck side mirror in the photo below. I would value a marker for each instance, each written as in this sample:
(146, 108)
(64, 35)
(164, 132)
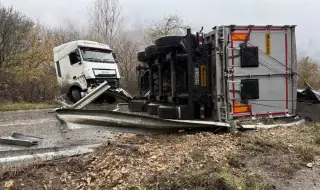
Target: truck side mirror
(115, 57)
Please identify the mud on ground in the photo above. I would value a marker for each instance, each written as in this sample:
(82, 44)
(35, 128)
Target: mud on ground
(281, 158)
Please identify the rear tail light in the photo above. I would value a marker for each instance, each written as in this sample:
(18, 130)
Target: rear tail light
(202, 111)
(200, 39)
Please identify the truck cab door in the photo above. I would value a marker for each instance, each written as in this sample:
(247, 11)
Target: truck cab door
(76, 69)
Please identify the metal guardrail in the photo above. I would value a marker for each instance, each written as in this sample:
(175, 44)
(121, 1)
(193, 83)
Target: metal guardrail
(91, 96)
(102, 88)
(128, 120)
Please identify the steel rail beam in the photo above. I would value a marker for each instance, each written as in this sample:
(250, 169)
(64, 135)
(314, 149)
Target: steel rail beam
(126, 120)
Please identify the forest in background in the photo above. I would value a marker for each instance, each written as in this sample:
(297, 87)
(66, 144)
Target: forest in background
(27, 71)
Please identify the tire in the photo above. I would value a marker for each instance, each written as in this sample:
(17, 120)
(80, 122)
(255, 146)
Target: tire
(168, 43)
(144, 82)
(138, 105)
(142, 56)
(193, 41)
(167, 112)
(153, 108)
(151, 52)
(75, 95)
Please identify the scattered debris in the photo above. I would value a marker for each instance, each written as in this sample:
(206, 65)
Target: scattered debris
(12, 141)
(262, 126)
(26, 137)
(9, 184)
(310, 165)
(20, 139)
(308, 95)
(38, 155)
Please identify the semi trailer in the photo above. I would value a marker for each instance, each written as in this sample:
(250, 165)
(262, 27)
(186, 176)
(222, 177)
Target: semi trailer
(232, 72)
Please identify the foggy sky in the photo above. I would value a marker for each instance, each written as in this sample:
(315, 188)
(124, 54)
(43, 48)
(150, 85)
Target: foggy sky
(207, 13)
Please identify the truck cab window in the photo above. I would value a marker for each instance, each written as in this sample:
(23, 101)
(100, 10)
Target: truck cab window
(97, 55)
(74, 57)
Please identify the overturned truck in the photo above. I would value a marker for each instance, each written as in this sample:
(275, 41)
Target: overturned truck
(231, 72)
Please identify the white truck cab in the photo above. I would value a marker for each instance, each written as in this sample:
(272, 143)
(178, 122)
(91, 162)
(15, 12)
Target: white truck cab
(83, 65)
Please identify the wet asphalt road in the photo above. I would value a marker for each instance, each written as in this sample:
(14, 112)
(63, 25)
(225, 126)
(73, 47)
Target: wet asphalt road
(42, 123)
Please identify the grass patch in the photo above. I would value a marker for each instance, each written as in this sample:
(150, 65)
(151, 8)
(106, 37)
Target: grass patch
(307, 153)
(202, 179)
(9, 106)
(278, 152)
(242, 180)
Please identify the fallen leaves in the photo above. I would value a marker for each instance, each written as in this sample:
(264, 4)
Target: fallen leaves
(119, 165)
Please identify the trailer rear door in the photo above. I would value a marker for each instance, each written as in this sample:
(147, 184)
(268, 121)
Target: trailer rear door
(262, 60)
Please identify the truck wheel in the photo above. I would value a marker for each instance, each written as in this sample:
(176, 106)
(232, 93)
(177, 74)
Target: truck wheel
(138, 105)
(167, 112)
(75, 95)
(168, 43)
(153, 108)
(151, 52)
(193, 41)
(142, 56)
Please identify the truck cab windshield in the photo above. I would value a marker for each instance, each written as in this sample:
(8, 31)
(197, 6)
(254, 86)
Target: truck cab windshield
(97, 55)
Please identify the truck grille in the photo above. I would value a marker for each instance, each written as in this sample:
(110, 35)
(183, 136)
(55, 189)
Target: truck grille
(106, 76)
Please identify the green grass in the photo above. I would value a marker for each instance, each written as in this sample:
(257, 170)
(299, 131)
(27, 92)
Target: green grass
(9, 106)
(242, 181)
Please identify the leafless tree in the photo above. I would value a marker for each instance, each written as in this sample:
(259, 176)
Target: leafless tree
(106, 21)
(14, 29)
(127, 50)
(67, 33)
(168, 25)
(63, 35)
(106, 26)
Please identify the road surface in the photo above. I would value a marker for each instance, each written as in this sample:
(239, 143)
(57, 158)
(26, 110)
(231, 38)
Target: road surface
(42, 123)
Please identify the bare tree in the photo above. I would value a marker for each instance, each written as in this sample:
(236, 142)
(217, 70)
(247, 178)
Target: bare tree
(169, 25)
(63, 35)
(14, 29)
(106, 21)
(106, 26)
(127, 50)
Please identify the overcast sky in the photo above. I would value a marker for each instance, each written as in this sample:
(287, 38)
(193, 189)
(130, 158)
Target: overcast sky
(207, 13)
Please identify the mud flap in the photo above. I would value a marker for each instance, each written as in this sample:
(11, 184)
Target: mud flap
(153, 108)
(138, 105)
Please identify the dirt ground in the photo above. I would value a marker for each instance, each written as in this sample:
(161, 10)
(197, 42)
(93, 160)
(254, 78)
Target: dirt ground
(281, 158)
(311, 111)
